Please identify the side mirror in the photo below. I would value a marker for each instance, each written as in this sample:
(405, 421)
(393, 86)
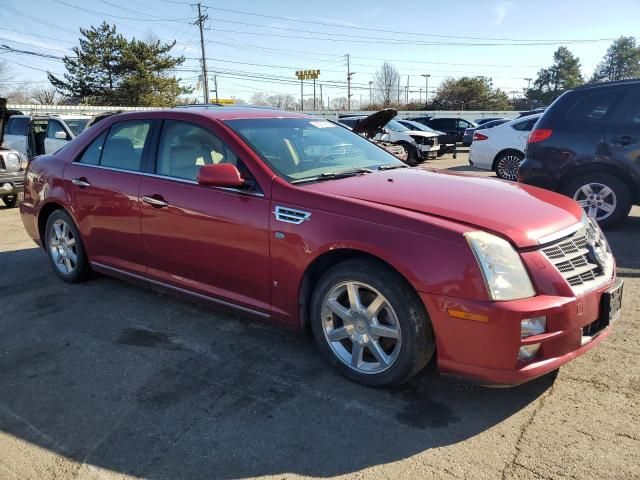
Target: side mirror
(60, 135)
(220, 175)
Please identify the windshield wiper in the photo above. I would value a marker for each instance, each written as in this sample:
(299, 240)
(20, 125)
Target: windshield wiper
(331, 175)
(393, 166)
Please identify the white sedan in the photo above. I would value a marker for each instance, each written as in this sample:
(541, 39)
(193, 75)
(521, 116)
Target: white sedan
(501, 148)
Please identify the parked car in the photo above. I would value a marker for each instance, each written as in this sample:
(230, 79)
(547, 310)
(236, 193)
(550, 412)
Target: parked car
(501, 148)
(535, 111)
(587, 146)
(455, 126)
(428, 142)
(467, 138)
(374, 128)
(295, 219)
(483, 120)
(12, 165)
(41, 134)
(446, 141)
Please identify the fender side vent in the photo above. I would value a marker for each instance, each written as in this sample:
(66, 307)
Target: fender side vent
(291, 215)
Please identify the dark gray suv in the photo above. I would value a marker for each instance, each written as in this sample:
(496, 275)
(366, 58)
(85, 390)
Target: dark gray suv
(587, 146)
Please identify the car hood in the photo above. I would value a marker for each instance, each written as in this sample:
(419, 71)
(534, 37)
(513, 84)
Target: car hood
(518, 212)
(373, 123)
(420, 133)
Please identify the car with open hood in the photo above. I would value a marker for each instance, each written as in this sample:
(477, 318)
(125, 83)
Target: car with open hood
(301, 222)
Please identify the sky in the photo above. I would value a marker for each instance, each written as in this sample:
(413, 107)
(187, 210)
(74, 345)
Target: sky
(256, 46)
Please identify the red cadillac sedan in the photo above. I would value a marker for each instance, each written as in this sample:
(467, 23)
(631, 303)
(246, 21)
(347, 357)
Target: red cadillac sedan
(299, 220)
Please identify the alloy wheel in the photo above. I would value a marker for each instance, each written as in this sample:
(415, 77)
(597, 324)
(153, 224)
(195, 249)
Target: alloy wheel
(361, 327)
(62, 247)
(508, 167)
(597, 199)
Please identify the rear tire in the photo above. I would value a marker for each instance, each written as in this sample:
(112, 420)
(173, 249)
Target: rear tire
(65, 248)
(412, 154)
(384, 337)
(507, 163)
(602, 195)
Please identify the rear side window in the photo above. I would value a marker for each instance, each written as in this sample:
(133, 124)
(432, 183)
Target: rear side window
(525, 126)
(124, 145)
(91, 155)
(18, 126)
(592, 108)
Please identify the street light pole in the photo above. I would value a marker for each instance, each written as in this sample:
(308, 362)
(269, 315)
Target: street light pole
(370, 92)
(420, 96)
(426, 89)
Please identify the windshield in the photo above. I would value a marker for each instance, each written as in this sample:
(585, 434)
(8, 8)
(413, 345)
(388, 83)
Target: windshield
(76, 125)
(396, 126)
(301, 148)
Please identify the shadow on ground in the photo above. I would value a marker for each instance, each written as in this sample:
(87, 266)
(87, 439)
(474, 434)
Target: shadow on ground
(122, 378)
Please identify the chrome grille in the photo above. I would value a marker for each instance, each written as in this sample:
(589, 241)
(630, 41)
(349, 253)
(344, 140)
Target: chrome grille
(574, 259)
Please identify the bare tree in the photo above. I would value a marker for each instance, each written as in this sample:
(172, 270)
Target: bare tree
(45, 96)
(339, 103)
(5, 75)
(18, 95)
(386, 81)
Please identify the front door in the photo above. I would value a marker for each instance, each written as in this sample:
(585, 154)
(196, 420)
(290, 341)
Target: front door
(103, 186)
(622, 133)
(56, 137)
(213, 241)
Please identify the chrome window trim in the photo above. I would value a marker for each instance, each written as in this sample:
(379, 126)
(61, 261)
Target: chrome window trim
(181, 290)
(166, 177)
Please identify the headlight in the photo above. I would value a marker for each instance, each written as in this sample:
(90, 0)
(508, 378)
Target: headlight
(501, 266)
(12, 160)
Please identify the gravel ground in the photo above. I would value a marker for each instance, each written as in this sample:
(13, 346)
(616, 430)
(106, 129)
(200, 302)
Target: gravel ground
(106, 380)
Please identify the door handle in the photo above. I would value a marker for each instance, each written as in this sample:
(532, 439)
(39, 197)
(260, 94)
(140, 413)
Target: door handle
(155, 201)
(625, 140)
(81, 182)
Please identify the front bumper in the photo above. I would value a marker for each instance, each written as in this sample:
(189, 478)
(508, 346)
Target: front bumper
(11, 184)
(428, 150)
(487, 351)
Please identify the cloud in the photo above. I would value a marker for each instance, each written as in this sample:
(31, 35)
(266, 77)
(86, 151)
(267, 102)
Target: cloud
(501, 10)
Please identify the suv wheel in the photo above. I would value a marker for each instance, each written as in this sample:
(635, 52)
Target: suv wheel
(370, 325)
(11, 200)
(65, 248)
(412, 153)
(507, 164)
(603, 197)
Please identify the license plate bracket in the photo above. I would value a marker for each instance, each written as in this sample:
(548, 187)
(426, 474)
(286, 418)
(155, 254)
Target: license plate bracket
(611, 303)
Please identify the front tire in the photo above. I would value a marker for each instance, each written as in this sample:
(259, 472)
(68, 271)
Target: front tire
(602, 196)
(370, 324)
(65, 248)
(11, 201)
(412, 154)
(507, 164)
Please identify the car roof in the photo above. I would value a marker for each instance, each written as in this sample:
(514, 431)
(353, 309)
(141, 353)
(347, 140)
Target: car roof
(608, 84)
(219, 113)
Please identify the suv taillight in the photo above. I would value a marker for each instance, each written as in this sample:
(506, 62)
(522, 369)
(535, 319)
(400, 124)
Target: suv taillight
(539, 134)
(479, 136)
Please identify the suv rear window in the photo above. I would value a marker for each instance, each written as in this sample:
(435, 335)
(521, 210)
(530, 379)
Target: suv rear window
(592, 108)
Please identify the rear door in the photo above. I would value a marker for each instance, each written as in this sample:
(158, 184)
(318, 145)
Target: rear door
(103, 185)
(56, 137)
(17, 134)
(622, 134)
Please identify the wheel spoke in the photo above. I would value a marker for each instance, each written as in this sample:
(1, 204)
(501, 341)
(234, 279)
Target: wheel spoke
(65, 231)
(354, 297)
(356, 354)
(338, 334)
(384, 331)
(593, 211)
(376, 350)
(71, 242)
(586, 190)
(57, 231)
(605, 192)
(67, 263)
(375, 307)
(584, 203)
(59, 259)
(338, 309)
(72, 255)
(607, 207)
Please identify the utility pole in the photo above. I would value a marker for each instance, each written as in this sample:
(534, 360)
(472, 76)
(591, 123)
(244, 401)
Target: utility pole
(528, 80)
(398, 89)
(301, 95)
(321, 102)
(349, 75)
(406, 92)
(426, 89)
(370, 92)
(205, 80)
(215, 84)
(420, 96)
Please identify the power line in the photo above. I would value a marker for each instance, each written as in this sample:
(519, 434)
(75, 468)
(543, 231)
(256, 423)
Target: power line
(83, 9)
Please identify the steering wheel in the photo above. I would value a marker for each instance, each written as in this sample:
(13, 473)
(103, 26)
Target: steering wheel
(323, 158)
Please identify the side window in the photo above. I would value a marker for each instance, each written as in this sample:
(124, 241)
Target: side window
(629, 111)
(526, 126)
(185, 147)
(124, 144)
(18, 126)
(592, 108)
(463, 124)
(91, 155)
(53, 127)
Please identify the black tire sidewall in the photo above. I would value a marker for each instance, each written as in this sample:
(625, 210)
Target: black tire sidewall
(620, 189)
(82, 269)
(15, 200)
(418, 340)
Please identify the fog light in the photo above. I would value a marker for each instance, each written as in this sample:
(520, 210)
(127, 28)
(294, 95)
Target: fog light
(532, 326)
(527, 352)
(7, 187)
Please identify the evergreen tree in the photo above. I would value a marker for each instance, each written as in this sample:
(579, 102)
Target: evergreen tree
(621, 61)
(470, 93)
(552, 82)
